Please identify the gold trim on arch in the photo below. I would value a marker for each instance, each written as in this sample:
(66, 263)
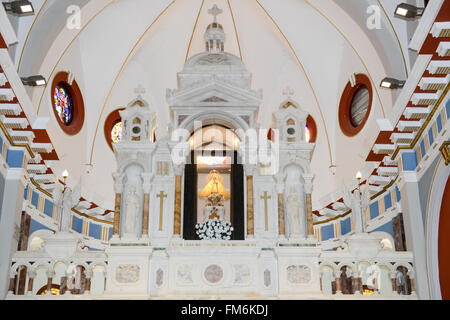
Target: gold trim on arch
(235, 29)
(28, 35)
(65, 51)
(396, 36)
(306, 76)
(193, 31)
(354, 49)
(120, 72)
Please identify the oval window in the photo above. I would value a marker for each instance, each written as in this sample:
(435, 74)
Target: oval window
(67, 103)
(63, 103)
(355, 105)
(359, 106)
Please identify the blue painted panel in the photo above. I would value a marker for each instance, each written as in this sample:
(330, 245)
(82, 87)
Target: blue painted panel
(430, 136)
(77, 224)
(387, 201)
(35, 199)
(327, 232)
(447, 108)
(399, 195)
(34, 226)
(439, 122)
(14, 158)
(409, 161)
(374, 210)
(423, 152)
(95, 230)
(95, 249)
(25, 192)
(110, 233)
(386, 228)
(346, 226)
(48, 208)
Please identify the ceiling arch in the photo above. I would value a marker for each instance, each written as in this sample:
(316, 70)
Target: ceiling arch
(313, 47)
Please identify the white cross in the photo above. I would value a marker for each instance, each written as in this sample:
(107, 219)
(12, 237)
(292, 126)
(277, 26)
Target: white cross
(215, 11)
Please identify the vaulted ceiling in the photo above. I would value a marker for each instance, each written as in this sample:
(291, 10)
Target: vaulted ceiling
(311, 46)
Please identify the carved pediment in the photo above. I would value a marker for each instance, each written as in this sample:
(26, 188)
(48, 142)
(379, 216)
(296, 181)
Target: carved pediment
(213, 92)
(214, 99)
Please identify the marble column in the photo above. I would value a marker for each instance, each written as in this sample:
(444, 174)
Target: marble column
(281, 220)
(12, 185)
(393, 276)
(411, 279)
(50, 274)
(12, 282)
(308, 190)
(31, 276)
(147, 178)
(414, 228)
(337, 277)
(177, 207)
(87, 284)
(118, 189)
(358, 284)
(249, 171)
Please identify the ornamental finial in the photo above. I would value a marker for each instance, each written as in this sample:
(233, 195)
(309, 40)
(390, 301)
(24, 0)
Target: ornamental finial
(215, 11)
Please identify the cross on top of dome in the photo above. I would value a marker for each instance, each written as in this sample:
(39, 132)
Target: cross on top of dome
(214, 35)
(215, 11)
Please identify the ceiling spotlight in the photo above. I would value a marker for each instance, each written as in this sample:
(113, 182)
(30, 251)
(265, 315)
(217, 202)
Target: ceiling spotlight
(34, 81)
(19, 7)
(390, 83)
(408, 11)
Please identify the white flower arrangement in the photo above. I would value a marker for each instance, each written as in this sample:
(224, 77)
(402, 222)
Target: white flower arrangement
(214, 229)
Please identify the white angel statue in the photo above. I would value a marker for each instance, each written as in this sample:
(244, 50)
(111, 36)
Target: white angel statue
(358, 201)
(65, 199)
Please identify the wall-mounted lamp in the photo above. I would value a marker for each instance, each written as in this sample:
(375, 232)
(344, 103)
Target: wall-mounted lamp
(19, 7)
(391, 83)
(408, 11)
(34, 81)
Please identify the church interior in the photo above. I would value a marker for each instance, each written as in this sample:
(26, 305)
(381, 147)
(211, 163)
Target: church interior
(226, 149)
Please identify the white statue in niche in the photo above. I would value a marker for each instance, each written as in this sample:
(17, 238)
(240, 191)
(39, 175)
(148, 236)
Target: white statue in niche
(132, 212)
(66, 199)
(358, 201)
(295, 213)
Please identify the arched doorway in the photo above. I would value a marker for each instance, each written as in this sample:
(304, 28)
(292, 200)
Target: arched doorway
(213, 148)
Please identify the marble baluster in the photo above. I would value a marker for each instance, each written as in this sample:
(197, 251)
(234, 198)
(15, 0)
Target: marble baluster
(337, 277)
(31, 276)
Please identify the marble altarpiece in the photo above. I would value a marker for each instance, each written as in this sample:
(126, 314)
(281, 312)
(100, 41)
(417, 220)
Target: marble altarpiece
(155, 249)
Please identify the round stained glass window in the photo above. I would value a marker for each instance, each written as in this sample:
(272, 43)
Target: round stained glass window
(63, 104)
(116, 132)
(359, 106)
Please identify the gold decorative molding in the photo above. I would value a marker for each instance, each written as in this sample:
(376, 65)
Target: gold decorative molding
(396, 36)
(445, 150)
(28, 35)
(193, 31)
(235, 29)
